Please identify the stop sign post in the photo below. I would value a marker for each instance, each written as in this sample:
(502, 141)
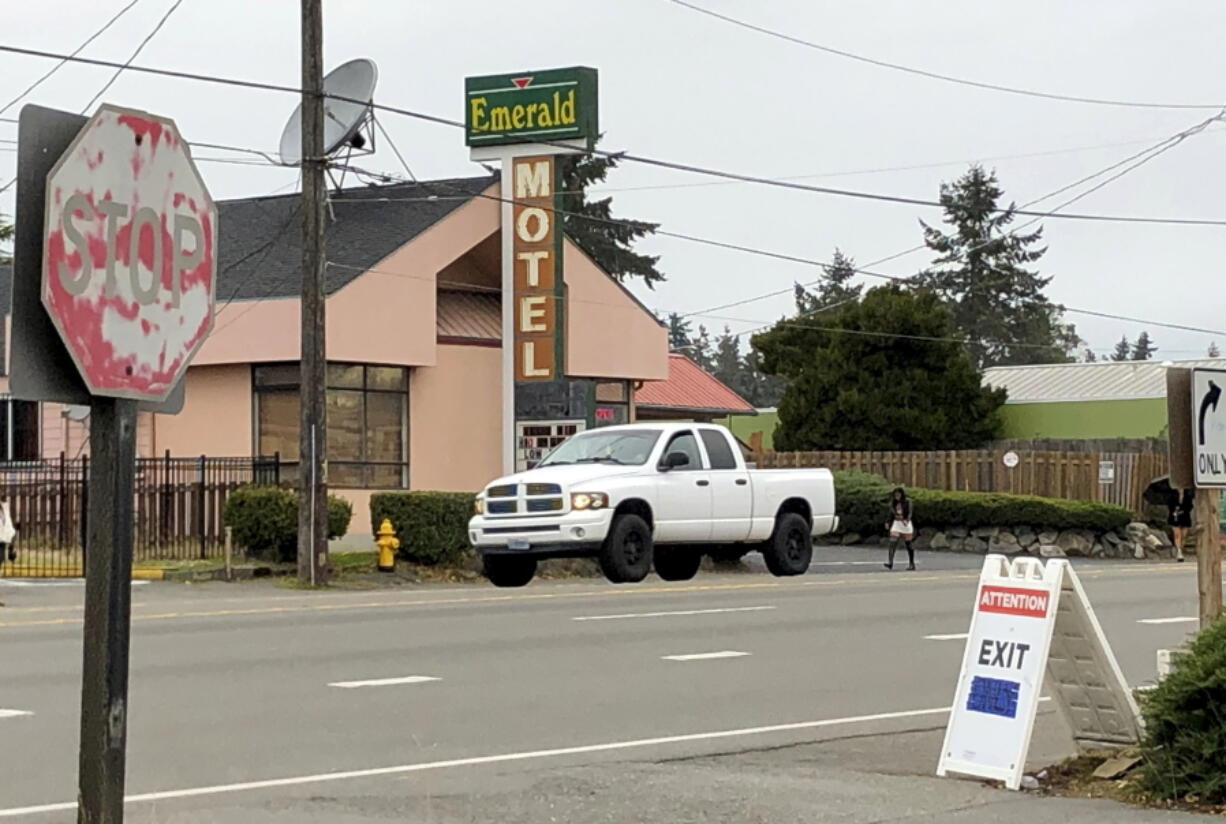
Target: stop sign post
(129, 240)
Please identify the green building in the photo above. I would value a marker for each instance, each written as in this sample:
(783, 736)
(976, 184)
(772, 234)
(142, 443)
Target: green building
(1111, 399)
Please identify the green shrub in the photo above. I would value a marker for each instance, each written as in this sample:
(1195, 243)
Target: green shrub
(1184, 746)
(432, 526)
(862, 504)
(265, 520)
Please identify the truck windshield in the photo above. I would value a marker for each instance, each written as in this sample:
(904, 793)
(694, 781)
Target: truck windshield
(631, 448)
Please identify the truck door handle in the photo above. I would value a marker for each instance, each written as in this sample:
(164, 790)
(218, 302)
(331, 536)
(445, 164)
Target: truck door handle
(703, 483)
(741, 481)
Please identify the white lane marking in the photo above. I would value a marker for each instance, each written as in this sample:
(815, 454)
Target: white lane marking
(669, 614)
(953, 636)
(401, 769)
(384, 682)
(705, 656)
(34, 582)
(13, 713)
(1181, 620)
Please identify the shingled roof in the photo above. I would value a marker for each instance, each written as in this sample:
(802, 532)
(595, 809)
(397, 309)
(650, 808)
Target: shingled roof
(260, 254)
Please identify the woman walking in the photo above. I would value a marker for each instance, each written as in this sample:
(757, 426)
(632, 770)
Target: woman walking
(901, 527)
(1179, 517)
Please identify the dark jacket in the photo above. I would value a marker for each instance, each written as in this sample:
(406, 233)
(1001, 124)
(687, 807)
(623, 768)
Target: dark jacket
(906, 507)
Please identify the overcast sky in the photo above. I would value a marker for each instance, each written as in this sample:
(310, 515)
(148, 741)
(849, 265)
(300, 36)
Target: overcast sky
(678, 85)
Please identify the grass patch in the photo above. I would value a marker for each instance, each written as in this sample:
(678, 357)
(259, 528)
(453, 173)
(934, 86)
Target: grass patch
(1074, 778)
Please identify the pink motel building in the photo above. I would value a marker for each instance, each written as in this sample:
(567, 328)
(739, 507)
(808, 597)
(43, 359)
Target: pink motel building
(413, 325)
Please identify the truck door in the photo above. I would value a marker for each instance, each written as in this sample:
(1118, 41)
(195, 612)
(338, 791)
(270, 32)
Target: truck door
(731, 492)
(683, 512)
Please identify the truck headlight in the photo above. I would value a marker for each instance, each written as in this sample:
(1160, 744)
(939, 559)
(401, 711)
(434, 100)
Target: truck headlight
(588, 500)
(478, 506)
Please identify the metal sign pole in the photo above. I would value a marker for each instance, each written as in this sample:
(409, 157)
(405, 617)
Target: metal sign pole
(108, 610)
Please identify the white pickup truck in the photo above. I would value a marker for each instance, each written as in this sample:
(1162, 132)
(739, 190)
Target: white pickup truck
(649, 493)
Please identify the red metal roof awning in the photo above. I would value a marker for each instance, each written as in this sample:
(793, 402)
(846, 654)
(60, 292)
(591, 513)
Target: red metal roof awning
(690, 388)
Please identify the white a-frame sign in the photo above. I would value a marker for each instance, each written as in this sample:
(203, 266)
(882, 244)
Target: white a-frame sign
(1032, 620)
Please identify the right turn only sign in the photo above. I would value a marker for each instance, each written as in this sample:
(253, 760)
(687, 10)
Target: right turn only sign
(1209, 427)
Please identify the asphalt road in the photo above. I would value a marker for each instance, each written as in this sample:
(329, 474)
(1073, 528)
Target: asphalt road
(742, 696)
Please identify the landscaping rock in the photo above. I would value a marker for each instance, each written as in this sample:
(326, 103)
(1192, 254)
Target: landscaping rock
(957, 532)
(1074, 543)
(1004, 542)
(939, 541)
(1111, 538)
(1050, 551)
(1048, 536)
(922, 541)
(985, 531)
(974, 544)
(851, 538)
(1136, 530)
(1099, 550)
(927, 532)
(1139, 552)
(1026, 537)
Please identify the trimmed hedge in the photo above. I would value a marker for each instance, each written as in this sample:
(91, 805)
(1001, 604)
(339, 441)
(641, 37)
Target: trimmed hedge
(432, 526)
(1184, 746)
(862, 503)
(265, 519)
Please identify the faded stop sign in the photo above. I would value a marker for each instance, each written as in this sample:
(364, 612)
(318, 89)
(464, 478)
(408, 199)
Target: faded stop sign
(129, 254)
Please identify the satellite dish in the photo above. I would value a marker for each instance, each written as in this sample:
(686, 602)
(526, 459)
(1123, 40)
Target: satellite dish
(343, 119)
(74, 412)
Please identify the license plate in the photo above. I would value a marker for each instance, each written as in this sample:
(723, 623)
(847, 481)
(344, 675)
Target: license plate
(518, 545)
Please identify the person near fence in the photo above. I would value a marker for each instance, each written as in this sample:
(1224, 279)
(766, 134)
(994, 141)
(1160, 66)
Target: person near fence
(8, 536)
(1179, 516)
(901, 527)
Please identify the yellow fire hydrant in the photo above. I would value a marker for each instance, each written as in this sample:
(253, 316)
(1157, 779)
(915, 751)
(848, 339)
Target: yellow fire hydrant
(388, 543)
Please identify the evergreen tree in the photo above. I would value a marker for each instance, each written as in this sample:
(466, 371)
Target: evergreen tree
(1213, 352)
(590, 223)
(982, 272)
(700, 350)
(761, 390)
(726, 362)
(6, 238)
(879, 390)
(678, 332)
(1088, 356)
(1144, 348)
(1123, 350)
(833, 289)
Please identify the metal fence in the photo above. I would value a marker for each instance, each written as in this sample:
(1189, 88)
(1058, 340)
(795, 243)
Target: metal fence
(1111, 477)
(177, 509)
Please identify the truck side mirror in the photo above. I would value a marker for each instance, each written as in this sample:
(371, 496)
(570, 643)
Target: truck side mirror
(675, 460)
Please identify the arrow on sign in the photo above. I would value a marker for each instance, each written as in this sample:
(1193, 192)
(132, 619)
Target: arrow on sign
(521, 82)
(1208, 402)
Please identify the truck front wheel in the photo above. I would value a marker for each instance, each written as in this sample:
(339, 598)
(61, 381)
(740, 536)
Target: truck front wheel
(509, 570)
(790, 549)
(625, 557)
(678, 563)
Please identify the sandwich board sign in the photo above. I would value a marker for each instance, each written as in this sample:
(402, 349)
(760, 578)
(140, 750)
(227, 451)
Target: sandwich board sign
(1032, 621)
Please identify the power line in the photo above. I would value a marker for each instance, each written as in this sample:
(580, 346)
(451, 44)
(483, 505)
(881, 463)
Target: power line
(962, 81)
(135, 53)
(626, 156)
(63, 62)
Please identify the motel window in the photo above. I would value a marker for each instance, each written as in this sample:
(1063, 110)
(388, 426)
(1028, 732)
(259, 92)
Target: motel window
(367, 422)
(19, 430)
(612, 403)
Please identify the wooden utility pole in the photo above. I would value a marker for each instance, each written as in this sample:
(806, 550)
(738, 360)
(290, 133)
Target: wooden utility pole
(312, 442)
(1208, 555)
(108, 610)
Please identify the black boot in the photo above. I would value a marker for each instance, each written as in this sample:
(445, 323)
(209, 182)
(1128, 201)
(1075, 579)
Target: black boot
(893, 548)
(910, 556)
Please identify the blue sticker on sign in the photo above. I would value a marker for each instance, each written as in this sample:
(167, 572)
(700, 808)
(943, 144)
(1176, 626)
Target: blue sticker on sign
(993, 696)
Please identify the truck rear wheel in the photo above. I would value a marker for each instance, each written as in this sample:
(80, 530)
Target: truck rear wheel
(678, 563)
(625, 557)
(509, 570)
(790, 548)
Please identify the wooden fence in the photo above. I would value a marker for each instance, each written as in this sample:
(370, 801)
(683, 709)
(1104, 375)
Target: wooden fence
(1048, 473)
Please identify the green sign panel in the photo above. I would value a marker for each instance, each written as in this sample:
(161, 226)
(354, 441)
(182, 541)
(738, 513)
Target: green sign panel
(530, 107)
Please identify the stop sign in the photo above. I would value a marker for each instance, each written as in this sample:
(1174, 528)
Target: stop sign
(129, 254)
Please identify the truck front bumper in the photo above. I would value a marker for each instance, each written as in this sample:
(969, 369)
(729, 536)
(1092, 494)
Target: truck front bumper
(575, 533)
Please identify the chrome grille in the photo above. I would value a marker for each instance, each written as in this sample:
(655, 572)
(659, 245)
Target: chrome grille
(507, 491)
(501, 507)
(545, 505)
(544, 489)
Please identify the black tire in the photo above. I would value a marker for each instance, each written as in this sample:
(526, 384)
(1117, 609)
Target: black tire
(625, 557)
(678, 563)
(509, 570)
(790, 548)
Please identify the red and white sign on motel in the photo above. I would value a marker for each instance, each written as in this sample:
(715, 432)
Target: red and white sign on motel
(129, 254)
